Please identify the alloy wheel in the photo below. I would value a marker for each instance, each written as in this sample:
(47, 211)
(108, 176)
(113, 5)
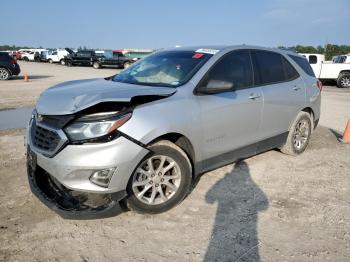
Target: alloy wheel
(156, 180)
(301, 134)
(345, 82)
(4, 74)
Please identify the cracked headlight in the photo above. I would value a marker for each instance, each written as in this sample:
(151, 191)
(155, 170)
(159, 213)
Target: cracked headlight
(97, 126)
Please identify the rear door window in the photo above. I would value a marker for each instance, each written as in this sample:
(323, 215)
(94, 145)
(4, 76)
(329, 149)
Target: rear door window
(289, 71)
(304, 65)
(268, 67)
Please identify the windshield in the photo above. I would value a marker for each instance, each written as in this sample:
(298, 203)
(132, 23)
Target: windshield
(167, 68)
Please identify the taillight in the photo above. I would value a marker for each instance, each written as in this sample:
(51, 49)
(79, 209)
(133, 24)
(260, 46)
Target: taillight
(319, 85)
(13, 62)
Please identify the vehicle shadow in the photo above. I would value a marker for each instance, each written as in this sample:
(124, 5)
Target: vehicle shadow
(336, 133)
(234, 235)
(30, 77)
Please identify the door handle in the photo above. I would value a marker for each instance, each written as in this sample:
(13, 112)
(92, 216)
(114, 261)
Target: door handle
(296, 88)
(254, 96)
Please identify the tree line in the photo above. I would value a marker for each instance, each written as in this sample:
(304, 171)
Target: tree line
(328, 50)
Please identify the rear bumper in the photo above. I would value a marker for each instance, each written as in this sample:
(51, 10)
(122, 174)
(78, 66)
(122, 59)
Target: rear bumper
(71, 204)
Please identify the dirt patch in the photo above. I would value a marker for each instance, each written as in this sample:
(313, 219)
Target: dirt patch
(271, 207)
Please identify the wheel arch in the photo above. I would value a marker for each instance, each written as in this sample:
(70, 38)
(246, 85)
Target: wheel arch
(344, 71)
(306, 110)
(312, 114)
(309, 110)
(181, 141)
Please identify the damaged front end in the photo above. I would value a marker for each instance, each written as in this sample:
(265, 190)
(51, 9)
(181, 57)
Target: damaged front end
(66, 143)
(72, 204)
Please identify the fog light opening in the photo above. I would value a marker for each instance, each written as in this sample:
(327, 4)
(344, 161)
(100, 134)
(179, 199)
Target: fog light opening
(102, 177)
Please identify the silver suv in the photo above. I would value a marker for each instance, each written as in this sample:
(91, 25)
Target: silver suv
(141, 137)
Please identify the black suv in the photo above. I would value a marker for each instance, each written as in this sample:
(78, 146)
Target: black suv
(83, 57)
(8, 66)
(112, 59)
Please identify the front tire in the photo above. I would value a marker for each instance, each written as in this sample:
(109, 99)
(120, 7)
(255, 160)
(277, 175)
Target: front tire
(343, 80)
(96, 65)
(50, 61)
(62, 62)
(4, 74)
(299, 135)
(161, 180)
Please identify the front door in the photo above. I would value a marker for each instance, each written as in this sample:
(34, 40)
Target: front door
(230, 120)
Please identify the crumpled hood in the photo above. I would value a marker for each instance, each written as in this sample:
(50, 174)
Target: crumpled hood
(73, 96)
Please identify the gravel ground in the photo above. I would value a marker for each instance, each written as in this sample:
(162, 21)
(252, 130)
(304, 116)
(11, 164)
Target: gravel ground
(270, 207)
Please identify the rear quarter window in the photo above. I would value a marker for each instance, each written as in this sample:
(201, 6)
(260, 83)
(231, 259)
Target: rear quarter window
(4, 56)
(303, 64)
(268, 67)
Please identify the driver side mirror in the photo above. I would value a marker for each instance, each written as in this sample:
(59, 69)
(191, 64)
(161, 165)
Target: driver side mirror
(215, 87)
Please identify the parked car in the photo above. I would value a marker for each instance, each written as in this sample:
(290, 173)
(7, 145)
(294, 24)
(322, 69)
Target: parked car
(21, 52)
(338, 72)
(83, 57)
(8, 66)
(43, 55)
(58, 55)
(111, 59)
(18, 55)
(144, 135)
(31, 56)
(27, 56)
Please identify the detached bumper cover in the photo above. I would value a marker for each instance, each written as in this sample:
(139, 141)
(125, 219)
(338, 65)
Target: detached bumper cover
(73, 165)
(71, 204)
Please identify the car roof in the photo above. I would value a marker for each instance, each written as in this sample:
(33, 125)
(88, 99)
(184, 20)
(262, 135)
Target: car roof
(219, 48)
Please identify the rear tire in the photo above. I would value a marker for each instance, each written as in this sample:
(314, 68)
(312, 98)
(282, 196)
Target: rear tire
(4, 74)
(161, 180)
(299, 135)
(343, 80)
(68, 63)
(126, 65)
(96, 65)
(26, 59)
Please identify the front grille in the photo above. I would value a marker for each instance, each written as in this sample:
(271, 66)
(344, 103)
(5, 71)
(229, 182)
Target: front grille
(44, 139)
(56, 122)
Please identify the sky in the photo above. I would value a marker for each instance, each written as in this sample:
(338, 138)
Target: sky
(166, 23)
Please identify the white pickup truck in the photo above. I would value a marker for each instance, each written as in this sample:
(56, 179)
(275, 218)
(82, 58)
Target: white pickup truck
(58, 55)
(339, 72)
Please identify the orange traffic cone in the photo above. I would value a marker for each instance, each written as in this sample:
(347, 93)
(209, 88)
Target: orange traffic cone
(346, 135)
(26, 77)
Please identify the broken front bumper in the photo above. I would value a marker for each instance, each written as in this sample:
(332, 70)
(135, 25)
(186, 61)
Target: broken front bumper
(72, 204)
(63, 182)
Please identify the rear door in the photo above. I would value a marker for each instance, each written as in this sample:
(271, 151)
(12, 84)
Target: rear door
(83, 57)
(231, 120)
(283, 91)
